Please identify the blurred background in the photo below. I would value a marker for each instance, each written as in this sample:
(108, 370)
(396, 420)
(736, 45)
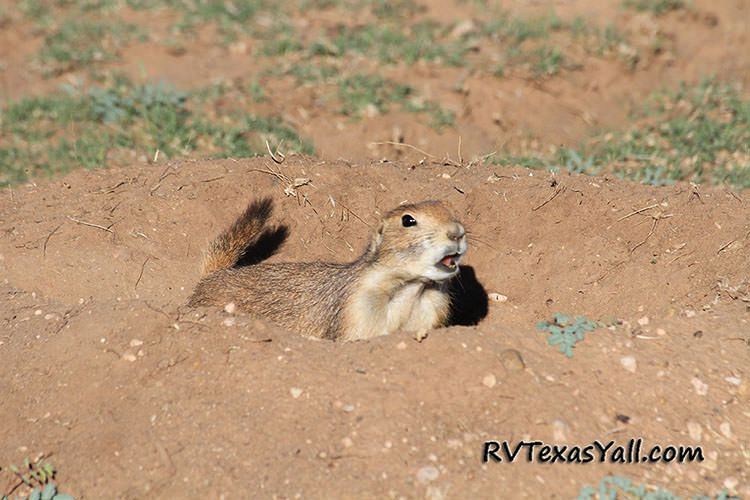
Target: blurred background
(651, 90)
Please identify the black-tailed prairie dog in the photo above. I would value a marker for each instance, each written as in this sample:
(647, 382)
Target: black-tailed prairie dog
(399, 283)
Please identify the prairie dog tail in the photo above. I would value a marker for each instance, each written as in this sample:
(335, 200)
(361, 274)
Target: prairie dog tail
(229, 247)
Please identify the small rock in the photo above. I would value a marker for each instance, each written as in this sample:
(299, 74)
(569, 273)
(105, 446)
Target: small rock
(427, 474)
(512, 360)
(731, 483)
(129, 357)
(401, 346)
(238, 48)
(726, 429)
(445, 176)
(136, 343)
(629, 363)
(701, 388)
(497, 297)
(695, 431)
(454, 443)
(347, 442)
(228, 322)
(371, 111)
(689, 313)
(733, 380)
(38, 312)
(661, 332)
(463, 28)
(489, 380)
(560, 431)
(348, 408)
(230, 308)
(295, 392)
(643, 321)
(49, 316)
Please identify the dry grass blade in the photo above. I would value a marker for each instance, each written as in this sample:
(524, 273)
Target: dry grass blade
(84, 223)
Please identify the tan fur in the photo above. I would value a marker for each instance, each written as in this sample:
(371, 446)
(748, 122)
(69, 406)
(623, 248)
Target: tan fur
(395, 285)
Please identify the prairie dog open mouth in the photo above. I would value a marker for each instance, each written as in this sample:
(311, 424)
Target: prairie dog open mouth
(449, 262)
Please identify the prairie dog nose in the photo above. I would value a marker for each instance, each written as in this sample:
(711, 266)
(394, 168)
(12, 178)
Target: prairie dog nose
(456, 232)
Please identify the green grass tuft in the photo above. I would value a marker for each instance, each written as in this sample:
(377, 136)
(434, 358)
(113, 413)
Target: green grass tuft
(658, 7)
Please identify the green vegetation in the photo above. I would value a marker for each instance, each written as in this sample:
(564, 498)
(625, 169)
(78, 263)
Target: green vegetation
(547, 61)
(358, 92)
(518, 30)
(78, 43)
(37, 476)
(611, 487)
(58, 132)
(392, 44)
(566, 332)
(698, 134)
(658, 7)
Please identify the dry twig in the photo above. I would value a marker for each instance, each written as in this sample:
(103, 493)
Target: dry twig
(92, 225)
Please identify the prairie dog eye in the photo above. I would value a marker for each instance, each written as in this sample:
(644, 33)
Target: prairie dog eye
(408, 221)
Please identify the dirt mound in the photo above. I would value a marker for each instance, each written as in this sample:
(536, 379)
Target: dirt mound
(138, 396)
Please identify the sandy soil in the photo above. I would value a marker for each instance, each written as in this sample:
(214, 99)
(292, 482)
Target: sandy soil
(138, 396)
(135, 395)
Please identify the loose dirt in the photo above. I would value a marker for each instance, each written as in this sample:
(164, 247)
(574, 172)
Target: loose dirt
(137, 396)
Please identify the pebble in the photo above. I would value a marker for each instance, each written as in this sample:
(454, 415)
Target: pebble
(38, 312)
(348, 408)
(701, 388)
(689, 313)
(295, 392)
(49, 316)
(129, 357)
(427, 474)
(401, 346)
(512, 360)
(230, 308)
(661, 332)
(731, 483)
(629, 363)
(560, 430)
(228, 321)
(347, 442)
(136, 343)
(489, 380)
(726, 429)
(497, 297)
(733, 380)
(643, 321)
(695, 431)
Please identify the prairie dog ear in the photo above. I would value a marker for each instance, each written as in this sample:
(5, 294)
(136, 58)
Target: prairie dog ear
(377, 238)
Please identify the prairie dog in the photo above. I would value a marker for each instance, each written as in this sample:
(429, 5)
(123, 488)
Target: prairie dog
(399, 283)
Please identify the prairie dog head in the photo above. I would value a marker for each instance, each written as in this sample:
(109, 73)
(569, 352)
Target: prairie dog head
(420, 241)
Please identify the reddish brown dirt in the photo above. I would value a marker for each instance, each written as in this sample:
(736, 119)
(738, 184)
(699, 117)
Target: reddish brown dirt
(206, 406)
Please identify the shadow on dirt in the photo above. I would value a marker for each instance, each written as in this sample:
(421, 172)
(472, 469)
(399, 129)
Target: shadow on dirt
(470, 300)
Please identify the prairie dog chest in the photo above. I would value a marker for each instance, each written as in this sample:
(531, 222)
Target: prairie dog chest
(403, 303)
(417, 308)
